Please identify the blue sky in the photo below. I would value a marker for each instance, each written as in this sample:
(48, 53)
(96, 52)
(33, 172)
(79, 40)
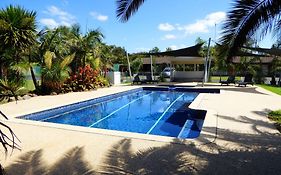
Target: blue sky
(161, 23)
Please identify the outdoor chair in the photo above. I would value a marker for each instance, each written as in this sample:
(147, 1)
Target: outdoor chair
(149, 79)
(230, 79)
(247, 80)
(137, 80)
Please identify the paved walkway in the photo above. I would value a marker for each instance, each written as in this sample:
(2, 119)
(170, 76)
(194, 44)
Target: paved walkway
(237, 138)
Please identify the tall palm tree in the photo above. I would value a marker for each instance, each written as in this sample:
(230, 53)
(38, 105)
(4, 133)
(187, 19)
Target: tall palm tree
(17, 29)
(83, 44)
(247, 18)
(17, 34)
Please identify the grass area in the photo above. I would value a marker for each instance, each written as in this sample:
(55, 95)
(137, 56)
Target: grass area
(276, 116)
(29, 85)
(217, 78)
(274, 89)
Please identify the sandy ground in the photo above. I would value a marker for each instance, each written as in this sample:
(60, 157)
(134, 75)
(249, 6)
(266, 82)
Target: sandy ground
(237, 138)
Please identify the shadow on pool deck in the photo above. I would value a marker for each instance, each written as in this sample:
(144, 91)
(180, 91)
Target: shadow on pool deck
(32, 163)
(231, 153)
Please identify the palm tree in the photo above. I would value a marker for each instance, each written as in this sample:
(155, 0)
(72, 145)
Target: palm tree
(55, 72)
(17, 34)
(83, 44)
(248, 18)
(104, 54)
(17, 29)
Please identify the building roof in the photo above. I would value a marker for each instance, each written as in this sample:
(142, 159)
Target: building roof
(271, 51)
(188, 55)
(174, 60)
(192, 51)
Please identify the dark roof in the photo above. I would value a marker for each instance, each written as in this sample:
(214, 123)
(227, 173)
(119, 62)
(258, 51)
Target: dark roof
(247, 54)
(272, 51)
(189, 51)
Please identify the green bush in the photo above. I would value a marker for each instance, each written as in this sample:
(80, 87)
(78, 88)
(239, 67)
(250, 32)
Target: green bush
(9, 89)
(276, 116)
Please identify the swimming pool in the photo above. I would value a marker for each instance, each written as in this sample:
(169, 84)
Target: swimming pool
(156, 111)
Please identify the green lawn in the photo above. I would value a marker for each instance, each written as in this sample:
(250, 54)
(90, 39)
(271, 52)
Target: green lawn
(29, 85)
(274, 89)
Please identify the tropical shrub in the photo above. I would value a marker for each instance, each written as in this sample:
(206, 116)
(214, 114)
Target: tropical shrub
(54, 73)
(83, 79)
(102, 81)
(9, 89)
(86, 78)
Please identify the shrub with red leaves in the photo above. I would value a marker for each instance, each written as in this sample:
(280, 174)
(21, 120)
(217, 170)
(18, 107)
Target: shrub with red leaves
(85, 78)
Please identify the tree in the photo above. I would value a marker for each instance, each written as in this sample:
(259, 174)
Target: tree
(247, 18)
(83, 44)
(55, 72)
(17, 29)
(17, 34)
(169, 49)
(155, 50)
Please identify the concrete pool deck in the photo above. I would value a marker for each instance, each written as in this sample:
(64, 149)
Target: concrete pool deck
(237, 138)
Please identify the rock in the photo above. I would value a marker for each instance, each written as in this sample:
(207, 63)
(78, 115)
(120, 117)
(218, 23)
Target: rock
(54, 93)
(25, 97)
(20, 98)
(34, 95)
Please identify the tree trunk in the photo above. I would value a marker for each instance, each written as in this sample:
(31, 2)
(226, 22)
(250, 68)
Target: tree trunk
(1, 70)
(34, 78)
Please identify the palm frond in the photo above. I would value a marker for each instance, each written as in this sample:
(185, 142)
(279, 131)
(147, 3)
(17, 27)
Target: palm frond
(48, 59)
(246, 18)
(22, 67)
(67, 60)
(126, 8)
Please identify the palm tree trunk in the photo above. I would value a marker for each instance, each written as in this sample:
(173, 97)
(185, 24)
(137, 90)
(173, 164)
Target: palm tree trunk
(1, 70)
(34, 78)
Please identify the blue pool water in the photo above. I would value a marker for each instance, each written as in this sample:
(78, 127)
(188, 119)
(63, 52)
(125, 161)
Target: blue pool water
(153, 111)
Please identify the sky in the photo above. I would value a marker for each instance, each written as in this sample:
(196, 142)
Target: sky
(157, 23)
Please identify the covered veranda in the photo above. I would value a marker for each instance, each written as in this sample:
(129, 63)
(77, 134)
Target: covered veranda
(189, 65)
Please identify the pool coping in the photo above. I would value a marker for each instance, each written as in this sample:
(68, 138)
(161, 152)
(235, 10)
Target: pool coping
(123, 134)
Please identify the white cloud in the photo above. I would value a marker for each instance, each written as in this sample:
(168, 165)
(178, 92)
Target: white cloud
(51, 23)
(175, 47)
(203, 25)
(98, 16)
(166, 27)
(60, 17)
(169, 37)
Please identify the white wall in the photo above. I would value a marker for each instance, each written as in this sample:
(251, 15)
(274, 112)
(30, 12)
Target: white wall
(114, 77)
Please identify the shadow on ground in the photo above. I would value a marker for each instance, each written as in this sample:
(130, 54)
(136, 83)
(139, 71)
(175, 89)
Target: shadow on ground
(231, 153)
(32, 163)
